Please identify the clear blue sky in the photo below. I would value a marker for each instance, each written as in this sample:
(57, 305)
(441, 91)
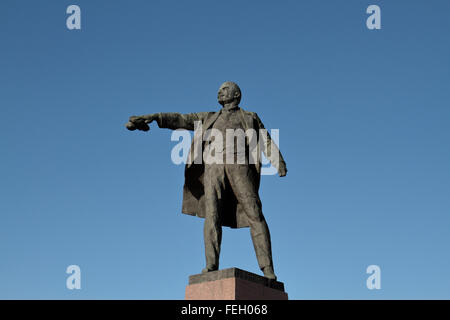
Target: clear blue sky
(364, 129)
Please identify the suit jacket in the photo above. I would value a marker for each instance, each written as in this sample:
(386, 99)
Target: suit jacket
(193, 189)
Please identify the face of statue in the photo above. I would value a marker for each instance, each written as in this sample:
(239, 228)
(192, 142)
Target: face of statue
(227, 93)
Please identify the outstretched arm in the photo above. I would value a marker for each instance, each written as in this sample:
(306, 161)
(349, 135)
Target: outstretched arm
(169, 120)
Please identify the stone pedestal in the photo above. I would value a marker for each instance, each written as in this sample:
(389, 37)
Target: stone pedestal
(233, 284)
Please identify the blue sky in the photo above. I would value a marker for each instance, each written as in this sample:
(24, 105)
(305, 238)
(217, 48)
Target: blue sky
(364, 128)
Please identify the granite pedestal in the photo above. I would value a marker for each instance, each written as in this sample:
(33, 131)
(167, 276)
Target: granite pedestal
(233, 284)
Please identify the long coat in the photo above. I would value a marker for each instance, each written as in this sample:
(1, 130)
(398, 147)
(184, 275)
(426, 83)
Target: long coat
(193, 190)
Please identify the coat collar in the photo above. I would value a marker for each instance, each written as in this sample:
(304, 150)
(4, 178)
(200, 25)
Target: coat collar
(210, 121)
(234, 108)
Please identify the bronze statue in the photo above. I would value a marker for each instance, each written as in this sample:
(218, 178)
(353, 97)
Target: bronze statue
(225, 194)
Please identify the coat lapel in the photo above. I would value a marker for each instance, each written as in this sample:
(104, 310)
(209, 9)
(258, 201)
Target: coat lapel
(247, 122)
(209, 122)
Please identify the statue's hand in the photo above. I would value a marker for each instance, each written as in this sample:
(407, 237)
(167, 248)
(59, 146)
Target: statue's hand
(130, 126)
(148, 118)
(138, 122)
(135, 119)
(282, 171)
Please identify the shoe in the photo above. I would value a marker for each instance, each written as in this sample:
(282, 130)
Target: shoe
(268, 273)
(209, 269)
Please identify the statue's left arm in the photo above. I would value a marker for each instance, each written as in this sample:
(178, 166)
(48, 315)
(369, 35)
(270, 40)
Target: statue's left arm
(271, 150)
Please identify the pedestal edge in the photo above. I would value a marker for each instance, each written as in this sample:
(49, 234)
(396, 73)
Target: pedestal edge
(236, 273)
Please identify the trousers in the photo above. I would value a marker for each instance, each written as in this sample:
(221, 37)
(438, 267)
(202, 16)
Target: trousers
(217, 178)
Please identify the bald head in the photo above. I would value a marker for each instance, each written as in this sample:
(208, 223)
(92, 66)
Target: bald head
(229, 92)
